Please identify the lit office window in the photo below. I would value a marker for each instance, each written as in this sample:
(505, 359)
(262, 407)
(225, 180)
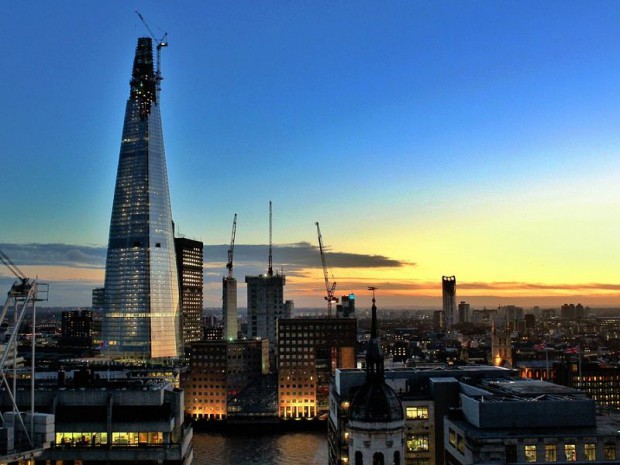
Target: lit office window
(530, 453)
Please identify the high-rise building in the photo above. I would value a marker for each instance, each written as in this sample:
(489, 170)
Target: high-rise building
(141, 312)
(448, 287)
(98, 301)
(464, 312)
(309, 351)
(346, 307)
(229, 307)
(76, 328)
(266, 304)
(189, 263)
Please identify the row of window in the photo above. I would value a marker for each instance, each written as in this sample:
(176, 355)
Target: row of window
(97, 439)
(568, 452)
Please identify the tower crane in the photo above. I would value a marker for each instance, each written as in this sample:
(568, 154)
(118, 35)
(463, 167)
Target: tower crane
(329, 288)
(160, 44)
(231, 249)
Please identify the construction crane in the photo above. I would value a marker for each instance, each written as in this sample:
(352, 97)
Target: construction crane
(231, 249)
(270, 267)
(329, 288)
(160, 44)
(21, 300)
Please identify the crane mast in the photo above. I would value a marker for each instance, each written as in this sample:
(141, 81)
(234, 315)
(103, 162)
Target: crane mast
(231, 249)
(330, 289)
(270, 267)
(160, 44)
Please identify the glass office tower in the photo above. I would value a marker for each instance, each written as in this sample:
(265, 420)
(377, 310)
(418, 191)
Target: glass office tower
(141, 311)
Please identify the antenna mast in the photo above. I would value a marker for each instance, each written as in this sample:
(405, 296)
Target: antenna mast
(270, 268)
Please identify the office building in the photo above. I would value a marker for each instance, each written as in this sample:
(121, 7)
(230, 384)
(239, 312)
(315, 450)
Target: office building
(189, 264)
(309, 351)
(75, 329)
(218, 371)
(266, 305)
(141, 312)
(464, 313)
(527, 422)
(448, 288)
(117, 421)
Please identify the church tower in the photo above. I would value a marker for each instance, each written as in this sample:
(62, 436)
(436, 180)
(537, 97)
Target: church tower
(376, 420)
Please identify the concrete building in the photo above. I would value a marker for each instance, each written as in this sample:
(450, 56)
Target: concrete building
(113, 422)
(141, 313)
(98, 301)
(189, 254)
(426, 398)
(448, 290)
(528, 422)
(218, 371)
(266, 305)
(229, 308)
(309, 351)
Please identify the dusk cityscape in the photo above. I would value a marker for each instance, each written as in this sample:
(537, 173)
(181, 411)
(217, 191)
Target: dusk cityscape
(334, 233)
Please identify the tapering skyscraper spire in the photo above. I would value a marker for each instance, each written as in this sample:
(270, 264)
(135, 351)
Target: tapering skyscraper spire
(141, 317)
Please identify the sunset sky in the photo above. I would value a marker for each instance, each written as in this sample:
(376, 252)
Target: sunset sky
(479, 139)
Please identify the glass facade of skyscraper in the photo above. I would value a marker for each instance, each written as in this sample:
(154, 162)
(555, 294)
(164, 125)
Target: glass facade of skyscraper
(141, 311)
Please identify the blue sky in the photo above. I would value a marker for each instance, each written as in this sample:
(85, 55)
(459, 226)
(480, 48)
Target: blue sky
(471, 138)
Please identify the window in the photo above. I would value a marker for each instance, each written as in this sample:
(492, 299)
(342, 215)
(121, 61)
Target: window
(460, 444)
(609, 450)
(377, 459)
(551, 453)
(397, 458)
(589, 451)
(359, 458)
(417, 413)
(530, 453)
(570, 450)
(511, 453)
(452, 437)
(417, 442)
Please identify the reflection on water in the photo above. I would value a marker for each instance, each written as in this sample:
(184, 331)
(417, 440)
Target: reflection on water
(291, 448)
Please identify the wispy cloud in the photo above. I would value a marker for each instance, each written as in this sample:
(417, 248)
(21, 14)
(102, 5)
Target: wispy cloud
(81, 256)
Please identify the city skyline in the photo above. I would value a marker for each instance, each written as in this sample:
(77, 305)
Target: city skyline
(477, 140)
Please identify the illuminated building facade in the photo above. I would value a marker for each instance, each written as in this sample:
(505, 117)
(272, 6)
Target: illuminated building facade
(219, 370)
(141, 313)
(189, 264)
(309, 351)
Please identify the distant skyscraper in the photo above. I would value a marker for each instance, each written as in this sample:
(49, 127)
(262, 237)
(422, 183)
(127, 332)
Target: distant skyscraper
(464, 313)
(141, 312)
(189, 263)
(346, 308)
(448, 287)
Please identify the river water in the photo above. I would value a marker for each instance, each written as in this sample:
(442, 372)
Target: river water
(290, 448)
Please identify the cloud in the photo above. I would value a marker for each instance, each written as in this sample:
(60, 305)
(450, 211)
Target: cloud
(299, 255)
(80, 256)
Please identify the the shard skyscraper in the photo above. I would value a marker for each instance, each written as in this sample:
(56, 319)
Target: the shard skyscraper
(141, 311)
